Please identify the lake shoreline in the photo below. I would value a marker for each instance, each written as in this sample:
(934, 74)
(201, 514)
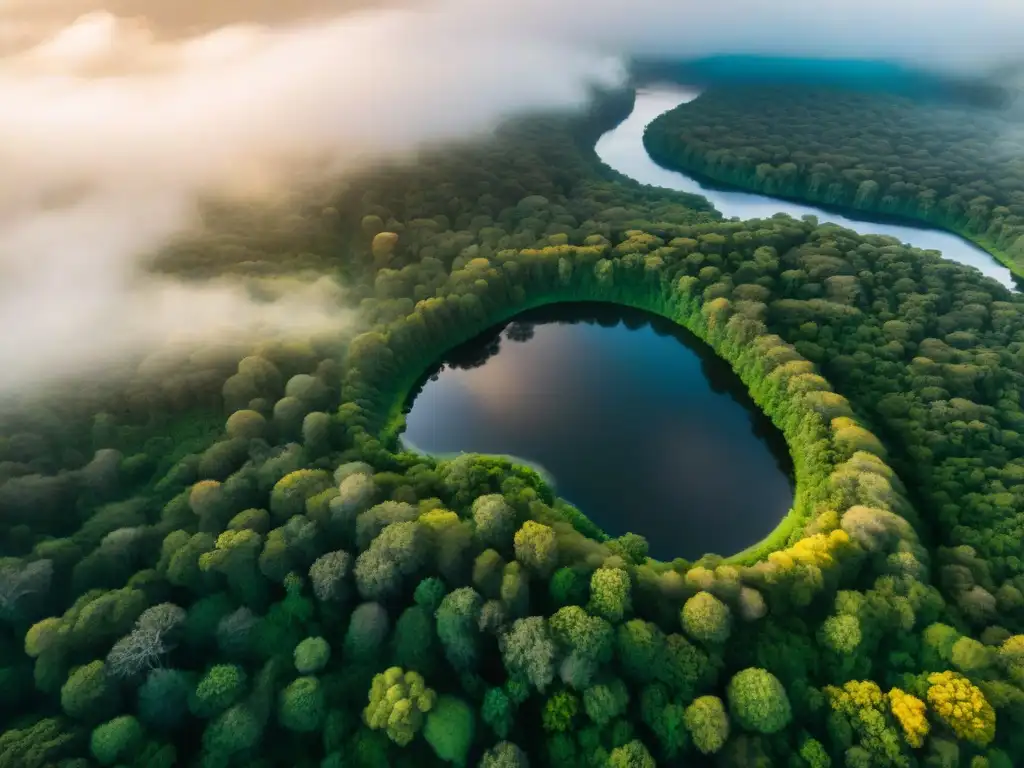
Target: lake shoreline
(631, 417)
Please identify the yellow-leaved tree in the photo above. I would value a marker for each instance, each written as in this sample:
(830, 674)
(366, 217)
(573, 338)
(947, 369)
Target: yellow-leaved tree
(962, 706)
(910, 713)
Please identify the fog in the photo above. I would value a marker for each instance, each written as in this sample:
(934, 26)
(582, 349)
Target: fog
(117, 115)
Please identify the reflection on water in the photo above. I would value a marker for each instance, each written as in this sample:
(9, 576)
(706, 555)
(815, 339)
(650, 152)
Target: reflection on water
(622, 149)
(641, 425)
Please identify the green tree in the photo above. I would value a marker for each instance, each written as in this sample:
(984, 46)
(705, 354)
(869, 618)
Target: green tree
(289, 495)
(536, 547)
(841, 633)
(301, 705)
(163, 698)
(458, 618)
(758, 701)
(560, 711)
(504, 754)
(568, 586)
(415, 644)
(450, 728)
(586, 642)
(89, 694)
(640, 646)
(246, 425)
(498, 711)
(329, 576)
(116, 740)
(605, 701)
(528, 652)
(631, 755)
(664, 717)
(706, 618)
(495, 521)
(233, 731)
(366, 634)
(39, 743)
(221, 686)
(610, 593)
(311, 655)
(708, 724)
(429, 593)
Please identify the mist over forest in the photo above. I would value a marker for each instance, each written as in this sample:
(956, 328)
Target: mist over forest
(119, 115)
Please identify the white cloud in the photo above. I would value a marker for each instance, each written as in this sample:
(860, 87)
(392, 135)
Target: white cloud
(137, 117)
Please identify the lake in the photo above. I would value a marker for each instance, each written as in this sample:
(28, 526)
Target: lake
(640, 424)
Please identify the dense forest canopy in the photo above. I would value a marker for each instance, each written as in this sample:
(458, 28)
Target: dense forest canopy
(227, 561)
(958, 168)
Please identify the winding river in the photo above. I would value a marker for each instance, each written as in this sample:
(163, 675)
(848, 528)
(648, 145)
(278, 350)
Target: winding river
(622, 148)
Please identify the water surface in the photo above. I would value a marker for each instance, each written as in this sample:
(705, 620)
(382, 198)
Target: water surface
(640, 424)
(622, 149)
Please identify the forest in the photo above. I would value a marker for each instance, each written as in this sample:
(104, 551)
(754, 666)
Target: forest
(951, 166)
(225, 558)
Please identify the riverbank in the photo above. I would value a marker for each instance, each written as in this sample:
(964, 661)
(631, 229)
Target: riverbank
(623, 149)
(912, 224)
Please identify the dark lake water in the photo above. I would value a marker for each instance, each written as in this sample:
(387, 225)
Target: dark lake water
(640, 424)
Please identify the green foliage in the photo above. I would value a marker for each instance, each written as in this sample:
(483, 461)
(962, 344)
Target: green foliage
(449, 729)
(37, 745)
(605, 701)
(758, 701)
(221, 686)
(610, 593)
(529, 652)
(504, 754)
(568, 587)
(587, 641)
(841, 633)
(706, 618)
(495, 521)
(498, 712)
(235, 730)
(300, 706)
(458, 618)
(289, 495)
(367, 631)
(164, 698)
(536, 547)
(631, 755)
(708, 724)
(116, 740)
(414, 643)
(311, 655)
(560, 711)
(89, 694)
(429, 593)
(329, 576)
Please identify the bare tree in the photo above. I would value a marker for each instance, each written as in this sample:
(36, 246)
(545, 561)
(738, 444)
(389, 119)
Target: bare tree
(144, 647)
(19, 579)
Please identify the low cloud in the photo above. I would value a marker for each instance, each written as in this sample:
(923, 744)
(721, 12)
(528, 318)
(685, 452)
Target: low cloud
(117, 116)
